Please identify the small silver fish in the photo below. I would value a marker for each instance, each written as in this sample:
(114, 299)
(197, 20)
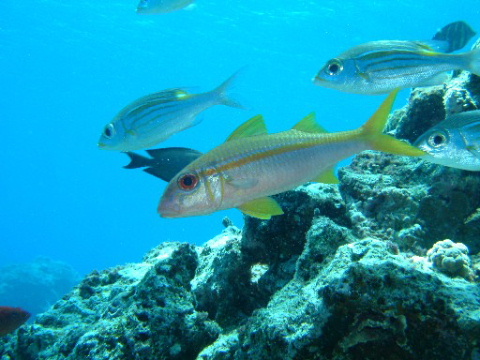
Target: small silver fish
(378, 67)
(161, 6)
(454, 142)
(154, 118)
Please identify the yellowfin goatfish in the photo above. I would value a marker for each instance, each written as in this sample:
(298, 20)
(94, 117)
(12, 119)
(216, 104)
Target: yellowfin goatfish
(252, 165)
(454, 142)
(154, 118)
(379, 67)
(161, 6)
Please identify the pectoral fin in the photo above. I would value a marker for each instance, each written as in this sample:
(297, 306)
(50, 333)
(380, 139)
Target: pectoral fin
(242, 183)
(437, 79)
(263, 208)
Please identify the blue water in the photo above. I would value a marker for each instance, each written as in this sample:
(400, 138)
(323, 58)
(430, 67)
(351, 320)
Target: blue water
(67, 67)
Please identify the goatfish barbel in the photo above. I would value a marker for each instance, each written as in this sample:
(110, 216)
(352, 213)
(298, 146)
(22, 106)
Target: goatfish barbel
(253, 165)
(154, 118)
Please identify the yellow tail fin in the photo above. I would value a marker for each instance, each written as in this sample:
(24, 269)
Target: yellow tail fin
(372, 131)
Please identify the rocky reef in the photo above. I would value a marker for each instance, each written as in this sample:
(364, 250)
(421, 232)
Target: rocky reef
(345, 273)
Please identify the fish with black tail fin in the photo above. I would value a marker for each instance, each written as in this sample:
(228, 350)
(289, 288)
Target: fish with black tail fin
(154, 118)
(164, 163)
(252, 165)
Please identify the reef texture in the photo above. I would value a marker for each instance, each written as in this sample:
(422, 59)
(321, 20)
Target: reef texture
(343, 274)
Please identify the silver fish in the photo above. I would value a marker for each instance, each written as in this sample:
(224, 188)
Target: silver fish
(154, 118)
(378, 67)
(252, 165)
(161, 6)
(454, 142)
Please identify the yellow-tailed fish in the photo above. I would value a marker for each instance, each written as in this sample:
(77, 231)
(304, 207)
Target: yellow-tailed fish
(154, 118)
(378, 67)
(161, 6)
(252, 165)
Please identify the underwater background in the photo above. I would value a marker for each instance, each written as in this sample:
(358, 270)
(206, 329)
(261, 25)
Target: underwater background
(69, 67)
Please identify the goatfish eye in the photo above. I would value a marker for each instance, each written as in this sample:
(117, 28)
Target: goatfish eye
(188, 182)
(437, 140)
(334, 67)
(109, 131)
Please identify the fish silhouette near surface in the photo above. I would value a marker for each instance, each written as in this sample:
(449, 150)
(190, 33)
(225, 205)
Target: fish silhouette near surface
(161, 6)
(379, 67)
(454, 142)
(164, 163)
(252, 165)
(154, 118)
(11, 318)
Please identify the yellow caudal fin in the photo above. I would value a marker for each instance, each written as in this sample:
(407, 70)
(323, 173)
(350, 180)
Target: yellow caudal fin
(372, 132)
(263, 208)
(308, 124)
(252, 127)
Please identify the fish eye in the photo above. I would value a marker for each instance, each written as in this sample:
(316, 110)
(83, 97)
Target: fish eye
(334, 67)
(188, 181)
(109, 131)
(437, 140)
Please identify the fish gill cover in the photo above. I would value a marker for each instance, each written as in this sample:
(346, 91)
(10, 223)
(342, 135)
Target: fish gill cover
(343, 274)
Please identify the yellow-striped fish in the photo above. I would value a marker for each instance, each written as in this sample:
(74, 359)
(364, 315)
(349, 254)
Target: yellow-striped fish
(378, 67)
(252, 165)
(154, 118)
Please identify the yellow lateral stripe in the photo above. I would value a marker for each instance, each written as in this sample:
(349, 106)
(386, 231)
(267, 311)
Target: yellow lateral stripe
(333, 137)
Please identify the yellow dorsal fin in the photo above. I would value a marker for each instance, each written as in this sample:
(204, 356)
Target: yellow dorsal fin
(372, 132)
(252, 127)
(263, 208)
(327, 177)
(308, 124)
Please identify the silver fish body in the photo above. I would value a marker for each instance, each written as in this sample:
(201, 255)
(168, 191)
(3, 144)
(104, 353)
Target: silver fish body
(252, 165)
(161, 6)
(276, 169)
(154, 118)
(454, 142)
(379, 67)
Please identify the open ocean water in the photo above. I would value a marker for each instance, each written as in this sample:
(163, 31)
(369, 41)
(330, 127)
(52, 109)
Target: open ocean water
(67, 68)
